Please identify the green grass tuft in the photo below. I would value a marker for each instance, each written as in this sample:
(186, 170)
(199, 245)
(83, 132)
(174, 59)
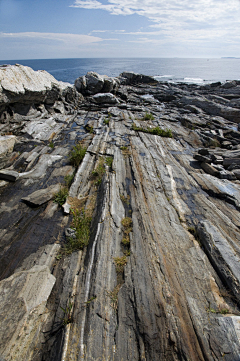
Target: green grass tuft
(61, 196)
(148, 116)
(77, 154)
(156, 131)
(81, 225)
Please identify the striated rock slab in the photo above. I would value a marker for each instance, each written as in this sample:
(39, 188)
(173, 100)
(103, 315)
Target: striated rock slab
(41, 196)
(23, 298)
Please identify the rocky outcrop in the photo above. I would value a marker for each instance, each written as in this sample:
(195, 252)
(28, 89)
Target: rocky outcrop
(119, 237)
(93, 83)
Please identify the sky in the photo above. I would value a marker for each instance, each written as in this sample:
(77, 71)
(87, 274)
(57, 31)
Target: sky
(47, 29)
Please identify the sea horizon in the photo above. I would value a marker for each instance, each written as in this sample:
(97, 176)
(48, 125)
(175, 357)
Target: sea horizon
(175, 69)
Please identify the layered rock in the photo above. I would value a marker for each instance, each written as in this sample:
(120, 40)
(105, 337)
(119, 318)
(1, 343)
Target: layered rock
(159, 275)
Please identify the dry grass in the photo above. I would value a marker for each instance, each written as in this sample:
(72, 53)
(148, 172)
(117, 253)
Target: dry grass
(120, 262)
(114, 296)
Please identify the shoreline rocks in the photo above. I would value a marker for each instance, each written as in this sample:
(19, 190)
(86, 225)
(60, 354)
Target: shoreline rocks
(139, 257)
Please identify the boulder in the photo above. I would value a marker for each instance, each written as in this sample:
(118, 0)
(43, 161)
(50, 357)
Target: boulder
(20, 83)
(108, 98)
(93, 83)
(7, 143)
(128, 78)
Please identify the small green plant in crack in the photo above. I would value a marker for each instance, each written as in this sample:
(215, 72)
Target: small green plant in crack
(89, 129)
(148, 116)
(98, 172)
(155, 131)
(61, 196)
(125, 199)
(222, 310)
(127, 223)
(68, 179)
(109, 161)
(120, 262)
(127, 228)
(125, 150)
(77, 154)
(51, 144)
(67, 318)
(107, 120)
(81, 225)
(90, 300)
(127, 252)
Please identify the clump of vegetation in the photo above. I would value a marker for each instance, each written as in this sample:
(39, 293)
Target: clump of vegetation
(114, 296)
(125, 199)
(81, 225)
(222, 311)
(51, 144)
(127, 228)
(148, 116)
(155, 131)
(89, 129)
(120, 262)
(127, 223)
(125, 150)
(77, 154)
(67, 313)
(68, 180)
(99, 171)
(61, 196)
(107, 120)
(109, 161)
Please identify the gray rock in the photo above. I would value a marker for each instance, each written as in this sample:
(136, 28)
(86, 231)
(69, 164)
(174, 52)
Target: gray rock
(94, 82)
(202, 158)
(217, 159)
(210, 169)
(134, 78)
(226, 144)
(70, 233)
(212, 108)
(107, 98)
(7, 143)
(223, 256)
(236, 172)
(229, 161)
(23, 298)
(224, 174)
(9, 175)
(22, 84)
(41, 196)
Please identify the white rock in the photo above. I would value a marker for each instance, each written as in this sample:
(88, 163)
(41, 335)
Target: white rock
(7, 143)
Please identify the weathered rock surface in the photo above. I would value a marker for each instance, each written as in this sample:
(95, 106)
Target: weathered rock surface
(93, 83)
(158, 278)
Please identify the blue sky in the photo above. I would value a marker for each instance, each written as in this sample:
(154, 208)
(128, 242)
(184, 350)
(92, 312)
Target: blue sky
(42, 29)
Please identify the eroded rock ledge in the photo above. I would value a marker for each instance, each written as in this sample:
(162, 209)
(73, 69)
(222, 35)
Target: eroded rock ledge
(156, 195)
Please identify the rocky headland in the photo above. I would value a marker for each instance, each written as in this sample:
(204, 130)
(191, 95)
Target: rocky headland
(119, 218)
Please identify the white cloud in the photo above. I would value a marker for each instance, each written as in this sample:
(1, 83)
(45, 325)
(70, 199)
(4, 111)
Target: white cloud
(67, 39)
(183, 19)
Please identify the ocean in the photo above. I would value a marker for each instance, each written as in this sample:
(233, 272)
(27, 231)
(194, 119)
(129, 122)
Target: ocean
(199, 71)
